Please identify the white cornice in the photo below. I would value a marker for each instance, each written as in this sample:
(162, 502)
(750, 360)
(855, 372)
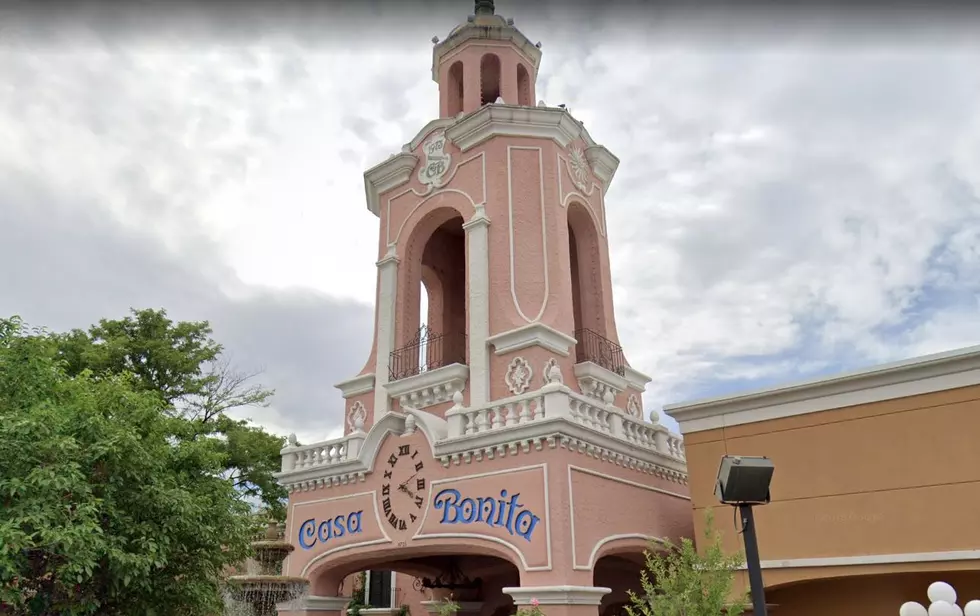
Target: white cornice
(385, 176)
(594, 380)
(871, 559)
(356, 386)
(922, 375)
(636, 379)
(535, 334)
(557, 595)
(516, 121)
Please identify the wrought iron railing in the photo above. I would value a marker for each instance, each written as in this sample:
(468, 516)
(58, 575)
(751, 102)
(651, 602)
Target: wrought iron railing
(427, 351)
(599, 350)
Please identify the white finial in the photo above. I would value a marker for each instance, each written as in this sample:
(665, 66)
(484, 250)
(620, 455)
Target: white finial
(542, 104)
(554, 374)
(358, 424)
(654, 416)
(458, 398)
(407, 148)
(499, 101)
(410, 424)
(292, 439)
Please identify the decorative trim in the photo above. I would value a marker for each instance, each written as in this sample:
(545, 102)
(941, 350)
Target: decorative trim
(595, 381)
(430, 387)
(922, 375)
(518, 376)
(356, 386)
(356, 417)
(478, 270)
(544, 233)
(548, 374)
(432, 172)
(872, 559)
(390, 174)
(571, 513)
(385, 332)
(603, 163)
(511, 37)
(634, 409)
(557, 595)
(547, 514)
(533, 334)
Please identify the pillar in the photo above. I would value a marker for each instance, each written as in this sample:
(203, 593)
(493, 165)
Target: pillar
(478, 271)
(560, 600)
(388, 283)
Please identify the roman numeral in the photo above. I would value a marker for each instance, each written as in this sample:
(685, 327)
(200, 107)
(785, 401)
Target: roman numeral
(386, 504)
(393, 460)
(418, 501)
(418, 466)
(412, 515)
(393, 520)
(402, 525)
(420, 483)
(415, 454)
(386, 489)
(388, 474)
(403, 450)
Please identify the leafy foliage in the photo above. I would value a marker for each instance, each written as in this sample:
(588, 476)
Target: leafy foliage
(686, 583)
(106, 506)
(180, 363)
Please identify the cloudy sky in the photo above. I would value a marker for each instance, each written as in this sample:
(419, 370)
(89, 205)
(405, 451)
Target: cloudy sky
(798, 195)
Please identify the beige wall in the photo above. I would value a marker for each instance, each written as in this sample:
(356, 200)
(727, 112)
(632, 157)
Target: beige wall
(894, 477)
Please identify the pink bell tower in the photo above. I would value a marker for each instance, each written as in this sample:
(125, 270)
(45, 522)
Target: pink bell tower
(495, 446)
(496, 211)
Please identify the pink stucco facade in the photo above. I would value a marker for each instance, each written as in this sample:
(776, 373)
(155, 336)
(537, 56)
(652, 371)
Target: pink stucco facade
(501, 435)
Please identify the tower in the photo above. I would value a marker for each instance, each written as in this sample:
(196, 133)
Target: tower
(495, 211)
(491, 442)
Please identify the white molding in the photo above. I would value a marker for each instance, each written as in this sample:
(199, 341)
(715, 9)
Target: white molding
(922, 375)
(557, 595)
(385, 176)
(429, 387)
(594, 380)
(533, 334)
(313, 603)
(636, 379)
(571, 514)
(356, 386)
(544, 233)
(872, 559)
(385, 332)
(508, 471)
(604, 164)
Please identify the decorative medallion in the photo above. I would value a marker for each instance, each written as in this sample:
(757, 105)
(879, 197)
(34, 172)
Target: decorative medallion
(552, 372)
(633, 406)
(356, 417)
(518, 377)
(578, 166)
(436, 164)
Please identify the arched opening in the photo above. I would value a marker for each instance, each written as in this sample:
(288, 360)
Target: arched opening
(620, 573)
(523, 86)
(392, 581)
(432, 331)
(489, 78)
(454, 89)
(588, 301)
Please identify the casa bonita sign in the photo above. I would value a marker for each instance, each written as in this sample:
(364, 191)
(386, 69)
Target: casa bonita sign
(504, 512)
(310, 532)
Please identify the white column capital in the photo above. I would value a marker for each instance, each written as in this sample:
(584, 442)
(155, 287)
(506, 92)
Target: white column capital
(558, 595)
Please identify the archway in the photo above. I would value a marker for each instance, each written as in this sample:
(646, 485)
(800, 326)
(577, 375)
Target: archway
(588, 297)
(489, 78)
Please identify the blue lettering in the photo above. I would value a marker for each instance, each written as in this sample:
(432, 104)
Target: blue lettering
(310, 532)
(506, 512)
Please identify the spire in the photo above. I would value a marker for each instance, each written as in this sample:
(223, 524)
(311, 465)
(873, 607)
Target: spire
(483, 7)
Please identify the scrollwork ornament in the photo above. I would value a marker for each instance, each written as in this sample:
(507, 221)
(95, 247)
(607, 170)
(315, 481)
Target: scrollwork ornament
(518, 377)
(633, 407)
(436, 165)
(356, 417)
(578, 167)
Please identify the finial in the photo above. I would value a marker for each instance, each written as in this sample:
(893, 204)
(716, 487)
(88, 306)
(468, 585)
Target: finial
(435, 39)
(458, 398)
(483, 7)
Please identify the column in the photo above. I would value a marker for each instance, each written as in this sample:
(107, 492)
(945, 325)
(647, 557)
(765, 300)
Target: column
(478, 273)
(388, 283)
(560, 600)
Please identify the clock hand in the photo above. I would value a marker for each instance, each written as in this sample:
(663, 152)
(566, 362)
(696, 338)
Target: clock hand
(402, 488)
(405, 483)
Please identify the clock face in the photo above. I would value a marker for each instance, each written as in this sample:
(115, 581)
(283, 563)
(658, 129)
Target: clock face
(405, 487)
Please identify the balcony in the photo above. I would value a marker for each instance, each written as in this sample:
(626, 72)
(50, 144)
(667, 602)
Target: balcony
(599, 350)
(428, 370)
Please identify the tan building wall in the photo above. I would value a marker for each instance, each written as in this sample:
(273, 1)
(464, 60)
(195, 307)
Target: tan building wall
(877, 474)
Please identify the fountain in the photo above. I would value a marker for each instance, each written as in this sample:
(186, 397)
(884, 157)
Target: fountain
(261, 592)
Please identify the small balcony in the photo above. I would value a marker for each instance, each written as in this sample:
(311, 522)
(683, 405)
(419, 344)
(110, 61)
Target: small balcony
(429, 369)
(599, 350)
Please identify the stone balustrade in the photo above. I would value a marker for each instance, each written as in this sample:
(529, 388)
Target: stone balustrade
(323, 454)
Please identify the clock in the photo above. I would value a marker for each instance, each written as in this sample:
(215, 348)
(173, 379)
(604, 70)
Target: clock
(403, 493)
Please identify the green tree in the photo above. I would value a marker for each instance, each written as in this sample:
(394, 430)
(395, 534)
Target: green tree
(184, 366)
(687, 583)
(102, 509)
